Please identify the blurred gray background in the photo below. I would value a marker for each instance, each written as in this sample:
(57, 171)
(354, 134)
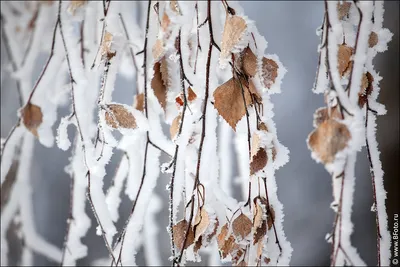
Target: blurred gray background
(304, 186)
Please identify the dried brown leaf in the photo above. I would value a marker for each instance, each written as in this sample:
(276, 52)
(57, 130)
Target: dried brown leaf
(180, 234)
(373, 39)
(269, 71)
(32, 117)
(158, 49)
(366, 89)
(75, 4)
(344, 54)
(241, 226)
(117, 116)
(214, 232)
(343, 9)
(234, 28)
(328, 139)
(322, 114)
(191, 95)
(160, 90)
(173, 130)
(202, 222)
(229, 101)
(249, 61)
(258, 161)
(139, 102)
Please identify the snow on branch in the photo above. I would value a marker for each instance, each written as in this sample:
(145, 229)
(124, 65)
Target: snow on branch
(351, 36)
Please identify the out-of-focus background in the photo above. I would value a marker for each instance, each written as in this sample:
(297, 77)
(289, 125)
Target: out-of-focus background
(304, 187)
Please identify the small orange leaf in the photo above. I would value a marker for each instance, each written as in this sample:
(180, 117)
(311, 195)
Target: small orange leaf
(32, 117)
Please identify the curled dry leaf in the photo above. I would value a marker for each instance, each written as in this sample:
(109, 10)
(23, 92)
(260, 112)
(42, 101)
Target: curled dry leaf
(75, 4)
(366, 89)
(173, 130)
(202, 221)
(237, 257)
(249, 61)
(241, 226)
(343, 9)
(235, 27)
(322, 114)
(229, 101)
(158, 85)
(373, 39)
(259, 222)
(158, 49)
(328, 139)
(269, 71)
(106, 46)
(180, 234)
(139, 102)
(117, 116)
(225, 245)
(344, 55)
(32, 117)
(258, 161)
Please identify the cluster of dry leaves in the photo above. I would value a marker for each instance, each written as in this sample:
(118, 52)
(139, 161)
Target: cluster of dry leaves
(331, 135)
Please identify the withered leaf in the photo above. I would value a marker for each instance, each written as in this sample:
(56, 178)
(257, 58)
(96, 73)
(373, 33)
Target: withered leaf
(343, 9)
(173, 130)
(373, 39)
(221, 236)
(228, 245)
(234, 28)
(344, 54)
(229, 101)
(118, 116)
(106, 46)
(198, 244)
(165, 21)
(258, 161)
(202, 222)
(249, 62)
(180, 234)
(160, 90)
(366, 89)
(237, 256)
(139, 102)
(241, 226)
(269, 71)
(259, 222)
(32, 117)
(158, 49)
(328, 139)
(322, 114)
(191, 96)
(75, 4)
(214, 232)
